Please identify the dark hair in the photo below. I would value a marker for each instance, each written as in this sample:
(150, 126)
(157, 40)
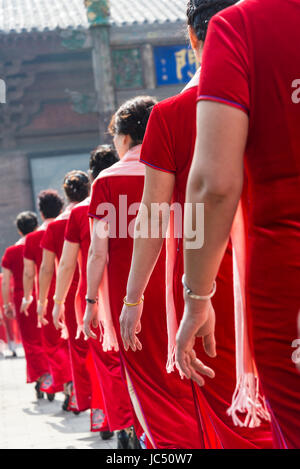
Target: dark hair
(101, 158)
(200, 12)
(27, 222)
(132, 118)
(50, 203)
(77, 186)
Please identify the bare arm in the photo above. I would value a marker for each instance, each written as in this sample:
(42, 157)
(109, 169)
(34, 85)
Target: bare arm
(46, 273)
(66, 269)
(97, 259)
(216, 179)
(158, 189)
(29, 274)
(7, 306)
(65, 272)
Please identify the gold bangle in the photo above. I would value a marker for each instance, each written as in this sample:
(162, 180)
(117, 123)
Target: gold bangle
(42, 304)
(57, 302)
(133, 304)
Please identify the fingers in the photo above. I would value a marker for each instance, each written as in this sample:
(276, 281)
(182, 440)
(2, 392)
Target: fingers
(209, 345)
(199, 367)
(88, 333)
(193, 368)
(138, 327)
(183, 364)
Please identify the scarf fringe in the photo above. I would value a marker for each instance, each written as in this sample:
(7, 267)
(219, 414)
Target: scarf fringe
(247, 400)
(170, 367)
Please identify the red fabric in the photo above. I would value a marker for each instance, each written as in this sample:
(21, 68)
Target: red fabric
(55, 347)
(53, 240)
(98, 417)
(37, 363)
(273, 166)
(107, 365)
(169, 146)
(165, 400)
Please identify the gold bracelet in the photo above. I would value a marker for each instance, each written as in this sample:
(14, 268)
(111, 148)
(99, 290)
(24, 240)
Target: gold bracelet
(42, 304)
(57, 302)
(133, 304)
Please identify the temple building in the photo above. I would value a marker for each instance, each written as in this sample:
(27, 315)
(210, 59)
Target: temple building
(65, 66)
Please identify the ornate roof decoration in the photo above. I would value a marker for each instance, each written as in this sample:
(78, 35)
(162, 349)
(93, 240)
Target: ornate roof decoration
(26, 16)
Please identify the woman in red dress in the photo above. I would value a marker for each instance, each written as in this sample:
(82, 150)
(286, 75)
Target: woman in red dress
(76, 187)
(164, 412)
(117, 414)
(167, 151)
(55, 347)
(12, 266)
(248, 112)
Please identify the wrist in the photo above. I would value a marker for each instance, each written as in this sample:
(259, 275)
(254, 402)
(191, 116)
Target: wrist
(208, 291)
(133, 303)
(57, 301)
(42, 302)
(91, 301)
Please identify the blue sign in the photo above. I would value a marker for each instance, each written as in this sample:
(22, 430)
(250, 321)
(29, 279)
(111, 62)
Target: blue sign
(174, 64)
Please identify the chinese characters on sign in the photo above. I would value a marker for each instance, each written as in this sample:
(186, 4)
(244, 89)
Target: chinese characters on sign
(174, 64)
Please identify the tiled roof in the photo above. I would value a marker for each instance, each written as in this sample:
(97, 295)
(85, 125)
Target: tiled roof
(48, 15)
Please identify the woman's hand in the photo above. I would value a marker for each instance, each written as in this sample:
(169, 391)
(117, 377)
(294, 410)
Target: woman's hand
(58, 314)
(90, 317)
(198, 321)
(9, 311)
(41, 312)
(130, 323)
(25, 305)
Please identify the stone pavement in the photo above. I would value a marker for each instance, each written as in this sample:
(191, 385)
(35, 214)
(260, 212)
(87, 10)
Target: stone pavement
(26, 423)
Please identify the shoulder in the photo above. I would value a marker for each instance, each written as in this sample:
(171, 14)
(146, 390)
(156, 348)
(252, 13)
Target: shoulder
(236, 18)
(31, 238)
(168, 109)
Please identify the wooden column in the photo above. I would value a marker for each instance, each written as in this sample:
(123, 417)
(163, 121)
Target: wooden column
(98, 13)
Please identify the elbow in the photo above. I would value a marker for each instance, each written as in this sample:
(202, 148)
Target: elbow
(47, 270)
(213, 189)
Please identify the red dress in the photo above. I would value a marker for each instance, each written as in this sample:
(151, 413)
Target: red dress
(169, 146)
(55, 347)
(107, 366)
(259, 68)
(36, 360)
(53, 241)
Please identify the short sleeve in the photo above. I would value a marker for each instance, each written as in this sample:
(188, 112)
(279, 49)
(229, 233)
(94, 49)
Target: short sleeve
(157, 145)
(29, 249)
(48, 240)
(99, 199)
(225, 64)
(7, 260)
(72, 233)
